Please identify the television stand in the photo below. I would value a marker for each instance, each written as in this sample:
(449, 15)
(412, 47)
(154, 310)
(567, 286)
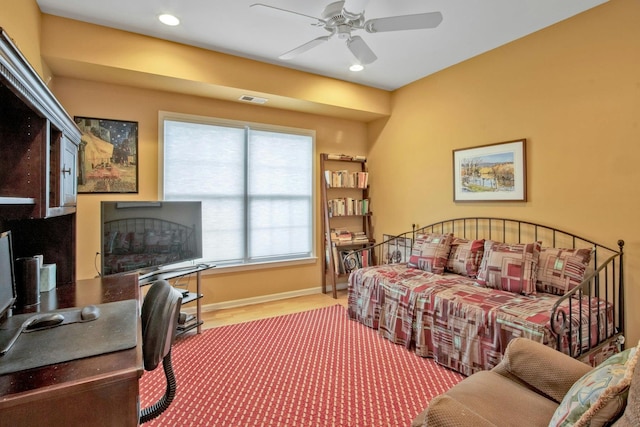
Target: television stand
(173, 273)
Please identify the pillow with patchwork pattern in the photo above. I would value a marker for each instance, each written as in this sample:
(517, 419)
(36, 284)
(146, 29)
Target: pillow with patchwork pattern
(465, 257)
(430, 252)
(600, 396)
(510, 267)
(560, 270)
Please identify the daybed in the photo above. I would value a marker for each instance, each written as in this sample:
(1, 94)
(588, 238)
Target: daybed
(470, 285)
(535, 385)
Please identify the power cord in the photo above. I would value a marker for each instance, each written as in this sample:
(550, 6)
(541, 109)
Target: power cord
(95, 264)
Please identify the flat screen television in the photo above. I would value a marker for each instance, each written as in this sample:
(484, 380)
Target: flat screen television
(7, 275)
(147, 236)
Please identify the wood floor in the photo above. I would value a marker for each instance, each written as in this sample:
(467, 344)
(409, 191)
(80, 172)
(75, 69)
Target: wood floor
(247, 313)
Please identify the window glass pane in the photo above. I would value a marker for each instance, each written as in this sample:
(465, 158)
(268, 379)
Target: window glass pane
(280, 188)
(206, 162)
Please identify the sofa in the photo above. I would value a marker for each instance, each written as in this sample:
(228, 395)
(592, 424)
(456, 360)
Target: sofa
(535, 385)
(467, 287)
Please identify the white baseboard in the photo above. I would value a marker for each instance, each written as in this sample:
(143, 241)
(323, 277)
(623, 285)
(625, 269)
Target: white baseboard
(259, 299)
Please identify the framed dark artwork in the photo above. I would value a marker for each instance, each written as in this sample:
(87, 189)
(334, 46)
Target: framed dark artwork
(495, 172)
(395, 250)
(108, 156)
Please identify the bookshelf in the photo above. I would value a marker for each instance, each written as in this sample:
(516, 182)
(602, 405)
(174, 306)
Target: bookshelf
(346, 213)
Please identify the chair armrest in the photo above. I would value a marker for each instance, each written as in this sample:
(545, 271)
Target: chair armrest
(444, 410)
(541, 368)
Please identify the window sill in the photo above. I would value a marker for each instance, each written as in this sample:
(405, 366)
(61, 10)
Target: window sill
(233, 268)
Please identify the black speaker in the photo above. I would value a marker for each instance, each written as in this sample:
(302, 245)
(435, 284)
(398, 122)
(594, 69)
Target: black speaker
(27, 272)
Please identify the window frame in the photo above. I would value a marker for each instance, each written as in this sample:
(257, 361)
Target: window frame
(198, 119)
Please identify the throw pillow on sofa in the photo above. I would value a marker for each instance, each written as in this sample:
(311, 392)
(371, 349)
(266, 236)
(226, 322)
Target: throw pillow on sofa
(510, 267)
(600, 396)
(465, 257)
(430, 252)
(561, 270)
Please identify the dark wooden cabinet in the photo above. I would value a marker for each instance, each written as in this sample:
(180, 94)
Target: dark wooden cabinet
(38, 163)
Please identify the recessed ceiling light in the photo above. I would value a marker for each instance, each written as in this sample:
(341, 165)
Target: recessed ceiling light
(356, 67)
(170, 20)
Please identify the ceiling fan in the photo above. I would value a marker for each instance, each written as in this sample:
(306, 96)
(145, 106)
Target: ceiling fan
(342, 17)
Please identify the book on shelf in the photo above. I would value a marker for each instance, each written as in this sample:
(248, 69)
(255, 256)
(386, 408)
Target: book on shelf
(349, 260)
(341, 235)
(333, 156)
(360, 236)
(347, 206)
(346, 179)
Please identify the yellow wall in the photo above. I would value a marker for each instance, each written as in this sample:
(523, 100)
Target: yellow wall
(13, 17)
(91, 99)
(573, 90)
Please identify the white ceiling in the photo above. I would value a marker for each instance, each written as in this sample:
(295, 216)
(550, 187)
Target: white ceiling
(469, 28)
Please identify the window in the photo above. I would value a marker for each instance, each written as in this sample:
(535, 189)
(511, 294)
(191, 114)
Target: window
(255, 183)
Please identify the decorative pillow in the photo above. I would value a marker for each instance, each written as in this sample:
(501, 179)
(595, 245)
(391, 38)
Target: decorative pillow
(600, 396)
(560, 270)
(510, 267)
(465, 256)
(430, 252)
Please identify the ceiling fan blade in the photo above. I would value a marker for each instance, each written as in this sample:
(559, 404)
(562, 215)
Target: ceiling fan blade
(354, 8)
(303, 48)
(277, 11)
(418, 21)
(361, 50)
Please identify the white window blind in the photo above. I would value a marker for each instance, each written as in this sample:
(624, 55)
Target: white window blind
(255, 184)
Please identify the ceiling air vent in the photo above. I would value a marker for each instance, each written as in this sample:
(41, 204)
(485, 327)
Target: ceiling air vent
(254, 99)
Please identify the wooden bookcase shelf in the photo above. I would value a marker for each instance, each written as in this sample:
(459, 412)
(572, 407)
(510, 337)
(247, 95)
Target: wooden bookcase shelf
(345, 206)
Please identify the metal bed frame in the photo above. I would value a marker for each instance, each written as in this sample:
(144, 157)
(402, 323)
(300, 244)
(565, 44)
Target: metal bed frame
(605, 281)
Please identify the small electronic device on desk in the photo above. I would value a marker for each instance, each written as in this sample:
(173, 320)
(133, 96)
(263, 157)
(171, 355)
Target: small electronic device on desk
(7, 275)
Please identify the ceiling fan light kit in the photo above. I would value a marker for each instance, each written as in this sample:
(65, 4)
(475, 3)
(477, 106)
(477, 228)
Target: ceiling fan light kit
(341, 18)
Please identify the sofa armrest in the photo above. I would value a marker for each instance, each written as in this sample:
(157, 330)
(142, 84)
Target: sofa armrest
(541, 368)
(445, 411)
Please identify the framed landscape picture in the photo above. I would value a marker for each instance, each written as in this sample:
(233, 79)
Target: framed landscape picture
(395, 250)
(108, 156)
(495, 172)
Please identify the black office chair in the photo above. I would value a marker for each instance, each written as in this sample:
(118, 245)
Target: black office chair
(160, 312)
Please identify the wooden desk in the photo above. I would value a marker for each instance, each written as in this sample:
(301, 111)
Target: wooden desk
(95, 391)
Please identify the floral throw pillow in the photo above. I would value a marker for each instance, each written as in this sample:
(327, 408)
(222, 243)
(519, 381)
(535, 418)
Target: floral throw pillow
(430, 252)
(560, 270)
(510, 267)
(600, 396)
(465, 257)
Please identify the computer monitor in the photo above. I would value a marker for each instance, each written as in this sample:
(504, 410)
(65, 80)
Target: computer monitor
(7, 274)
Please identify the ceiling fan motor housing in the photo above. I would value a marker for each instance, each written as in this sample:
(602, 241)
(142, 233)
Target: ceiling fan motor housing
(336, 22)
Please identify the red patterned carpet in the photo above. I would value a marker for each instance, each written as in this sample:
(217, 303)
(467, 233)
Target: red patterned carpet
(315, 368)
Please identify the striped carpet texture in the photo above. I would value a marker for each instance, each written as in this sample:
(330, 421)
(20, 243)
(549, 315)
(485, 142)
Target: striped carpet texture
(315, 368)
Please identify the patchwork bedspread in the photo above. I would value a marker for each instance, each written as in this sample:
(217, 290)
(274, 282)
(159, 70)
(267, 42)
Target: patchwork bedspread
(461, 325)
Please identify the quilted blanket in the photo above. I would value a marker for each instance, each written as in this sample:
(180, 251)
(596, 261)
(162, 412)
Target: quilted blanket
(460, 324)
